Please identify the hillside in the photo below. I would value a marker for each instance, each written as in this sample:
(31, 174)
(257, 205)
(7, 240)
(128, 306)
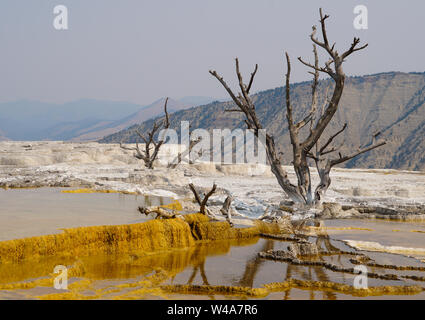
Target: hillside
(34, 120)
(392, 102)
(80, 120)
(143, 114)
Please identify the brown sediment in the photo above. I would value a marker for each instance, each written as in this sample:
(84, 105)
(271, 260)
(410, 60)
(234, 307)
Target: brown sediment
(343, 288)
(148, 285)
(337, 228)
(398, 217)
(13, 187)
(285, 257)
(297, 239)
(68, 296)
(45, 282)
(281, 237)
(416, 278)
(89, 190)
(222, 290)
(360, 261)
(152, 286)
(266, 289)
(409, 213)
(223, 230)
(195, 217)
(387, 266)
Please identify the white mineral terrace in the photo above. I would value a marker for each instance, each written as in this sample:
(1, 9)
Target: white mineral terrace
(107, 166)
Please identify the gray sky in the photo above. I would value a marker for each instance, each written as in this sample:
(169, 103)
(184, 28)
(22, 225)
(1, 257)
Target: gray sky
(141, 50)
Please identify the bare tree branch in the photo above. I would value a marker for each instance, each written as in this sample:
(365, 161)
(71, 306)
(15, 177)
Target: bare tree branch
(177, 160)
(206, 197)
(353, 48)
(322, 149)
(146, 155)
(224, 84)
(202, 203)
(160, 212)
(355, 154)
(313, 108)
(252, 78)
(195, 193)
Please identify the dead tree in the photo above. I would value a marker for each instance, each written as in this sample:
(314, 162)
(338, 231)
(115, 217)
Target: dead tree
(203, 203)
(150, 153)
(226, 210)
(302, 192)
(181, 155)
(161, 213)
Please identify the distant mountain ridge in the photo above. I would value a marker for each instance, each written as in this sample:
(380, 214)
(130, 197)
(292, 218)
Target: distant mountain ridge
(393, 102)
(80, 120)
(34, 120)
(143, 114)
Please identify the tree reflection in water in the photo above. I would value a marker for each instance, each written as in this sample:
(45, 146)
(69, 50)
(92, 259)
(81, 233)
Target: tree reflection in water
(254, 264)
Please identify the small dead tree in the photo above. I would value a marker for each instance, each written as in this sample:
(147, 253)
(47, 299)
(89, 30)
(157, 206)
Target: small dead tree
(150, 153)
(203, 203)
(186, 153)
(161, 213)
(225, 210)
(302, 149)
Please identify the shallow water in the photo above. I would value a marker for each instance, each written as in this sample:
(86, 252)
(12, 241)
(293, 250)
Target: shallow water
(227, 263)
(386, 233)
(41, 211)
(220, 263)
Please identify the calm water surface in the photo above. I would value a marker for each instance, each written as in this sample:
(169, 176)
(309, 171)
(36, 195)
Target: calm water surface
(34, 212)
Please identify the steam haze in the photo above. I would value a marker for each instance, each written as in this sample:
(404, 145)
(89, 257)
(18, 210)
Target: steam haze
(139, 51)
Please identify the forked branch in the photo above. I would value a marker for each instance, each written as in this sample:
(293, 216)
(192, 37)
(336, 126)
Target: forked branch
(202, 202)
(360, 151)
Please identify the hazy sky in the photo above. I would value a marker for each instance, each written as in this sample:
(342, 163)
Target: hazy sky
(141, 50)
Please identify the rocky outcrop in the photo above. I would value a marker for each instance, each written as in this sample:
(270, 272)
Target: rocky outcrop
(335, 210)
(303, 248)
